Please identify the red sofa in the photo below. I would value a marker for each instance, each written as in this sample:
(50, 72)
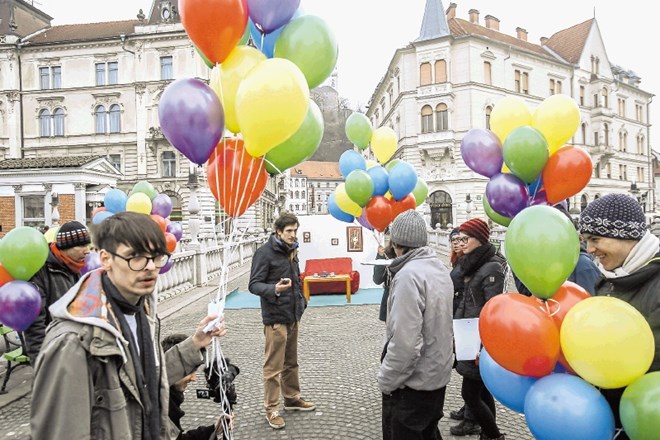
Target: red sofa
(340, 266)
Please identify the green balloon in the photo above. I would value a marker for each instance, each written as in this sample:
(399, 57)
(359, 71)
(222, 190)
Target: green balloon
(542, 248)
(310, 44)
(208, 63)
(359, 187)
(144, 187)
(246, 36)
(300, 146)
(391, 164)
(358, 130)
(420, 192)
(525, 152)
(24, 250)
(640, 407)
(494, 216)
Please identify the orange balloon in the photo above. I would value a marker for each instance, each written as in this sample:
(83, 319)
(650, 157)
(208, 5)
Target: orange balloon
(160, 221)
(98, 209)
(406, 203)
(519, 334)
(379, 212)
(5, 277)
(214, 26)
(236, 179)
(170, 242)
(566, 173)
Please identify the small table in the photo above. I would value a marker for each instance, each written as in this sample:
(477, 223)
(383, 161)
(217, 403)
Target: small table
(328, 279)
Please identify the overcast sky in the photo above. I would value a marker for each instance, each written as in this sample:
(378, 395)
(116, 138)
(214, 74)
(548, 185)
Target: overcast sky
(369, 31)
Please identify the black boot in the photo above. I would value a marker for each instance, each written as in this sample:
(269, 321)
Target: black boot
(485, 437)
(466, 427)
(458, 415)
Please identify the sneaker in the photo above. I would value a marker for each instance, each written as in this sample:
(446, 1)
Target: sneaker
(466, 427)
(275, 420)
(458, 415)
(299, 405)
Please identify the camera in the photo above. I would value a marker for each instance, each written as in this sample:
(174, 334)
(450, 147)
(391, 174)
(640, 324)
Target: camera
(217, 381)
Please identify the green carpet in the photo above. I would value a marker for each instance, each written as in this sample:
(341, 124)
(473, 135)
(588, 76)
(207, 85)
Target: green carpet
(246, 300)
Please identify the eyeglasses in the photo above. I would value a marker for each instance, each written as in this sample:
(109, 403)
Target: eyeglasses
(460, 239)
(139, 262)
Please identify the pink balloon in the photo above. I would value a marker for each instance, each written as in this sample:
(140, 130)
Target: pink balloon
(20, 304)
(92, 261)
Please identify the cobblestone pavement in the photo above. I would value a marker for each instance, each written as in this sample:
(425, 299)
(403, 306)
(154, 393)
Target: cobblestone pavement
(338, 353)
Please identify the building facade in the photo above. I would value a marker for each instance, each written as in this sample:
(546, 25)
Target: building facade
(308, 186)
(450, 78)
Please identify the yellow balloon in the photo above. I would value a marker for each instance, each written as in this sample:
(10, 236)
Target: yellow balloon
(557, 118)
(51, 234)
(371, 163)
(271, 104)
(505, 169)
(509, 113)
(139, 202)
(216, 84)
(383, 143)
(388, 195)
(607, 341)
(345, 203)
(231, 72)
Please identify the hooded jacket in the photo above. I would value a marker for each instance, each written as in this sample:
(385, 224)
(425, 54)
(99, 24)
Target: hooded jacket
(418, 353)
(85, 384)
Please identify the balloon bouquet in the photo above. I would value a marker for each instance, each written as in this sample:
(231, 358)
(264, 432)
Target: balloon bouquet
(374, 193)
(545, 355)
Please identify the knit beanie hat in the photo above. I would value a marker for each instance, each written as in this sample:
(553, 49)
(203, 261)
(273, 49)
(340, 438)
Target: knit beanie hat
(453, 232)
(72, 234)
(476, 228)
(614, 216)
(409, 230)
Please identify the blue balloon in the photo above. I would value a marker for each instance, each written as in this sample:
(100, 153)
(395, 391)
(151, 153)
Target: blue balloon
(100, 216)
(535, 186)
(379, 176)
(266, 42)
(402, 180)
(351, 160)
(336, 212)
(507, 387)
(562, 406)
(115, 200)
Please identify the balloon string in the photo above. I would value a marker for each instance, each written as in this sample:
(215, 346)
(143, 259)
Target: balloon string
(236, 177)
(279, 171)
(261, 45)
(547, 307)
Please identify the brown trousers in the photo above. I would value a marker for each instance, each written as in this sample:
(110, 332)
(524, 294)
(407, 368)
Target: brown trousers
(280, 364)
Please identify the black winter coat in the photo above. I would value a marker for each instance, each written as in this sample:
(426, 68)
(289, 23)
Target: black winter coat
(382, 276)
(272, 262)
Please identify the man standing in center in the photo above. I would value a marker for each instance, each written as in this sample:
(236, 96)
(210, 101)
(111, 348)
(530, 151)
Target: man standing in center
(275, 277)
(417, 358)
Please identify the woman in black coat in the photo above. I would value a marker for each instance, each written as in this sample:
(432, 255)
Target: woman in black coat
(382, 276)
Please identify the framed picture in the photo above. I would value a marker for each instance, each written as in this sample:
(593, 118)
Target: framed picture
(354, 238)
(307, 237)
(334, 241)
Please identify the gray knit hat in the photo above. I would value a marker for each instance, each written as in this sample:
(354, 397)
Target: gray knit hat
(614, 216)
(409, 230)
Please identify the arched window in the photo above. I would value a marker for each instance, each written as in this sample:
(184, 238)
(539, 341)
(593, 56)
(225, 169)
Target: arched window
(115, 119)
(489, 110)
(441, 118)
(176, 214)
(58, 122)
(44, 123)
(427, 119)
(99, 119)
(297, 195)
(441, 209)
(440, 71)
(302, 194)
(605, 97)
(425, 74)
(583, 202)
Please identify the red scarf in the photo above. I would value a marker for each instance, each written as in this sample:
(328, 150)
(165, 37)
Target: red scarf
(73, 265)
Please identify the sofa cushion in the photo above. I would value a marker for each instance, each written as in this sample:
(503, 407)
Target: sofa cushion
(340, 266)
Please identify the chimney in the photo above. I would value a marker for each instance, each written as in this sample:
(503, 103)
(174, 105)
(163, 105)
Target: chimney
(492, 23)
(544, 40)
(451, 11)
(521, 33)
(474, 16)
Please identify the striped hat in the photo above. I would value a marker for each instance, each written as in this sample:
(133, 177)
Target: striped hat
(476, 228)
(72, 234)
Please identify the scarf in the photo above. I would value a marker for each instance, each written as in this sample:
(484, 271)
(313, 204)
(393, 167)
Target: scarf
(644, 250)
(146, 371)
(73, 265)
(472, 261)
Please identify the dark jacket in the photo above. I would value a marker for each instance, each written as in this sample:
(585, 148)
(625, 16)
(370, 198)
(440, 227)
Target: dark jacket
(382, 276)
(456, 275)
(270, 263)
(53, 280)
(176, 413)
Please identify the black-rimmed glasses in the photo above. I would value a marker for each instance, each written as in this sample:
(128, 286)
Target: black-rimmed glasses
(139, 262)
(460, 239)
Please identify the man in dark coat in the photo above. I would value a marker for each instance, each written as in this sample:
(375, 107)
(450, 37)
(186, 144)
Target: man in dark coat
(61, 271)
(275, 277)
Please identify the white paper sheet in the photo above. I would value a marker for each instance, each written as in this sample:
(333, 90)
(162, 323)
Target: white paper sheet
(377, 263)
(467, 340)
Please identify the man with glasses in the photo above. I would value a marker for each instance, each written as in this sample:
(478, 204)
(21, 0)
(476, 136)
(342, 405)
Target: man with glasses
(101, 372)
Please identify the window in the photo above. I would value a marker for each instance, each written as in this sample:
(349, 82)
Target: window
(169, 164)
(606, 134)
(584, 134)
(516, 81)
(33, 211)
(638, 112)
(625, 172)
(622, 107)
(115, 160)
(441, 118)
(581, 95)
(113, 73)
(99, 119)
(620, 171)
(44, 123)
(552, 87)
(115, 119)
(596, 104)
(640, 174)
(558, 87)
(608, 169)
(440, 71)
(489, 110)
(107, 120)
(425, 74)
(58, 122)
(640, 144)
(525, 83)
(521, 82)
(44, 78)
(488, 78)
(108, 70)
(100, 74)
(166, 71)
(605, 94)
(596, 139)
(427, 119)
(50, 77)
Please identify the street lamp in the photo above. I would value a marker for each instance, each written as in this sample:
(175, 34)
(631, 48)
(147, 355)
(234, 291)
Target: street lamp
(468, 206)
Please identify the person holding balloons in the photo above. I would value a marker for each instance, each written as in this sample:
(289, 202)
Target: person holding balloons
(383, 276)
(483, 275)
(614, 227)
(66, 258)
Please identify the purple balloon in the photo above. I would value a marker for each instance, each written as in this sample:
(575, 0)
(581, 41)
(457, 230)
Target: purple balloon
(20, 304)
(175, 229)
(167, 266)
(482, 152)
(539, 198)
(269, 15)
(507, 194)
(161, 205)
(362, 219)
(92, 261)
(192, 118)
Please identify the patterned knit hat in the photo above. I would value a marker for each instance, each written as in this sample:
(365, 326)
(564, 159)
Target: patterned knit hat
(72, 234)
(614, 216)
(409, 230)
(476, 228)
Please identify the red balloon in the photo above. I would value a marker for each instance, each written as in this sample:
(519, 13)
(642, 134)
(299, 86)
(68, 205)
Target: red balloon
(379, 212)
(5, 276)
(215, 26)
(170, 242)
(519, 334)
(160, 221)
(566, 173)
(97, 210)
(236, 179)
(406, 203)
